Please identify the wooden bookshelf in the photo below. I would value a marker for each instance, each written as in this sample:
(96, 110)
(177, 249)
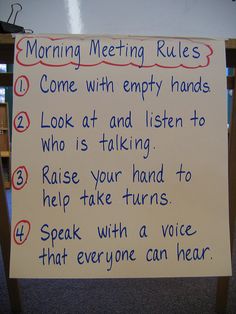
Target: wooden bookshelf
(5, 153)
(6, 80)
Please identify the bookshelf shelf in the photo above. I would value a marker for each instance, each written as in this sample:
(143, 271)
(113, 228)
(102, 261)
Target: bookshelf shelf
(5, 144)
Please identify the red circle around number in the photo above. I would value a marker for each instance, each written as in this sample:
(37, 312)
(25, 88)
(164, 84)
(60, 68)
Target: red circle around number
(27, 119)
(23, 221)
(26, 179)
(27, 85)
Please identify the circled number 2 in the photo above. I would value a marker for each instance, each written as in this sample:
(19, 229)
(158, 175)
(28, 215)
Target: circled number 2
(21, 122)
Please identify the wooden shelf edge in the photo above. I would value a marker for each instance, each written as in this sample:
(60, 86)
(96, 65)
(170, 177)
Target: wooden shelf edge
(7, 39)
(7, 185)
(230, 43)
(5, 154)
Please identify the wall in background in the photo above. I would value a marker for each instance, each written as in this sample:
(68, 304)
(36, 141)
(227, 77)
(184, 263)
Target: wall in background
(196, 18)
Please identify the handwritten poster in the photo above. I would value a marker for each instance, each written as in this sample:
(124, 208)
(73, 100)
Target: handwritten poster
(119, 165)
